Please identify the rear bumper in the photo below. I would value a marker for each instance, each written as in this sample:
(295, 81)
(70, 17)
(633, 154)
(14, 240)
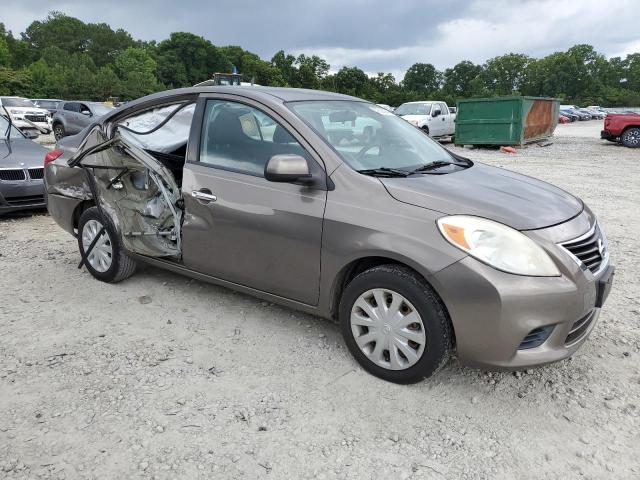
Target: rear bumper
(17, 196)
(607, 135)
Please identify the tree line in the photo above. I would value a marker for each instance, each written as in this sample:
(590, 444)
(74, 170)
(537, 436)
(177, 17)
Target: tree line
(63, 57)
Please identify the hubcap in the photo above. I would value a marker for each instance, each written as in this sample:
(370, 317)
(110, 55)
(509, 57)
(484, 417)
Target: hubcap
(388, 329)
(101, 256)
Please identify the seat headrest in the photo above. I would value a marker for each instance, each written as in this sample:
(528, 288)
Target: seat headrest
(226, 127)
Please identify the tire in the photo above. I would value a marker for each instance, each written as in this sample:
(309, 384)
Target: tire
(631, 137)
(433, 337)
(58, 131)
(108, 261)
(425, 130)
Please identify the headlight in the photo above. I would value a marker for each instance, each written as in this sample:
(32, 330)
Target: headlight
(496, 244)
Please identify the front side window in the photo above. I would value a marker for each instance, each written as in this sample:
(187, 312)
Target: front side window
(368, 137)
(72, 107)
(242, 139)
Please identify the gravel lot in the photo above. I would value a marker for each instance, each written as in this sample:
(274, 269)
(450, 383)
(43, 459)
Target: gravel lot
(166, 377)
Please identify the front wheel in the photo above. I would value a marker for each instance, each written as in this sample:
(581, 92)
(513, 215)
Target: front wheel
(631, 137)
(395, 325)
(107, 261)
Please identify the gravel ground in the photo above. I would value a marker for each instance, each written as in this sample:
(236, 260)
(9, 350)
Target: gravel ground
(166, 377)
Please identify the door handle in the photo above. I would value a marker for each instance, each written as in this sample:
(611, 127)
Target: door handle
(204, 196)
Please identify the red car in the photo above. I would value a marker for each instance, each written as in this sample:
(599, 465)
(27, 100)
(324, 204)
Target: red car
(622, 127)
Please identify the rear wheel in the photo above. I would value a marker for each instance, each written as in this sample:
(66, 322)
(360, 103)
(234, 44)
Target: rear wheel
(107, 261)
(395, 325)
(631, 137)
(58, 131)
(425, 129)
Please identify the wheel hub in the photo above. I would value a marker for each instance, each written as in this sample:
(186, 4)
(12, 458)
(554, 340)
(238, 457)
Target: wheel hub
(388, 329)
(101, 255)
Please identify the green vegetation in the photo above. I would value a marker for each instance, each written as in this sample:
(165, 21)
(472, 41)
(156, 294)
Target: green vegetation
(63, 57)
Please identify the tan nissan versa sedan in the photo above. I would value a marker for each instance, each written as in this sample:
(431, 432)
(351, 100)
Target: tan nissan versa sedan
(335, 206)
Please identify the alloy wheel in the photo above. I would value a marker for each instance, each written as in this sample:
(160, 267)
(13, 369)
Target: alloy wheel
(388, 329)
(101, 257)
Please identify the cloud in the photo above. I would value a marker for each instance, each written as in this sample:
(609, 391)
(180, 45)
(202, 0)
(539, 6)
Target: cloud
(375, 35)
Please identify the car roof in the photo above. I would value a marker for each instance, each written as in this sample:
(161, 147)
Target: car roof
(422, 101)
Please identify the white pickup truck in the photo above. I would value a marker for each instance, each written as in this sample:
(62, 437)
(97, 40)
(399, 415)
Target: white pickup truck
(433, 117)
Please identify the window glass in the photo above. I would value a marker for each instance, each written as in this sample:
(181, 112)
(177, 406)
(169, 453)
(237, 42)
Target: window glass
(413, 109)
(4, 129)
(171, 137)
(72, 107)
(17, 102)
(367, 136)
(241, 138)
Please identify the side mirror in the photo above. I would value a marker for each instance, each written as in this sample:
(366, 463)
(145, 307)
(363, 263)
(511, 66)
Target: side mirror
(87, 113)
(437, 112)
(287, 168)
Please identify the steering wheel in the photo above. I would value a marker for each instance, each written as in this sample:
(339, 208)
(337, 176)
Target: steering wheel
(366, 148)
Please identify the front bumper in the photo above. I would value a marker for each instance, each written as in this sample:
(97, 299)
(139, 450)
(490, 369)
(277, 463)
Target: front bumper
(493, 312)
(17, 196)
(607, 135)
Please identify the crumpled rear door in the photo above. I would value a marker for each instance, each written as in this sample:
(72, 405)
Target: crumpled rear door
(137, 192)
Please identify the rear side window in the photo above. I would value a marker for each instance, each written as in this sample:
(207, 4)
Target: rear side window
(242, 139)
(72, 107)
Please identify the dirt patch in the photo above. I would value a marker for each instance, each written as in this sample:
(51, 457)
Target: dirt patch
(166, 377)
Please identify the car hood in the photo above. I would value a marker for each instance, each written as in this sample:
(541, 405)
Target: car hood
(521, 202)
(21, 153)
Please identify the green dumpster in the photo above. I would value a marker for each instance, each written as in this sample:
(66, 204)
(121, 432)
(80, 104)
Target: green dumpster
(505, 120)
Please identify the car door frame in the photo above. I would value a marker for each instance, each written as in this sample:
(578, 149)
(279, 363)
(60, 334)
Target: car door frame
(310, 147)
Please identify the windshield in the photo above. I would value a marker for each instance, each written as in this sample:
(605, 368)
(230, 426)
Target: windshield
(17, 102)
(99, 109)
(414, 109)
(4, 124)
(367, 136)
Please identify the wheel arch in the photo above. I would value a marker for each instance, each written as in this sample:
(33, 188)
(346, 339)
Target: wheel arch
(78, 211)
(352, 269)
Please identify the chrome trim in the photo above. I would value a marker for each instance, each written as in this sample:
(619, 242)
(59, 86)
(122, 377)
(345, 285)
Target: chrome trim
(603, 238)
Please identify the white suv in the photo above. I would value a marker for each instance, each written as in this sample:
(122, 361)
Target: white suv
(24, 112)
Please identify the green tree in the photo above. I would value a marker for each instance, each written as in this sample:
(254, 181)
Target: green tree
(459, 80)
(136, 70)
(423, 78)
(352, 81)
(287, 68)
(59, 30)
(107, 83)
(104, 44)
(185, 59)
(505, 75)
(311, 70)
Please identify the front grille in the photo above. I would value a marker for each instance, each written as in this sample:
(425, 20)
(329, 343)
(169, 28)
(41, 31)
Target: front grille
(28, 200)
(536, 337)
(589, 249)
(579, 328)
(36, 173)
(36, 118)
(12, 175)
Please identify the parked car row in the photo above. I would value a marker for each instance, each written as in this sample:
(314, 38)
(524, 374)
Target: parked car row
(44, 115)
(70, 117)
(572, 113)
